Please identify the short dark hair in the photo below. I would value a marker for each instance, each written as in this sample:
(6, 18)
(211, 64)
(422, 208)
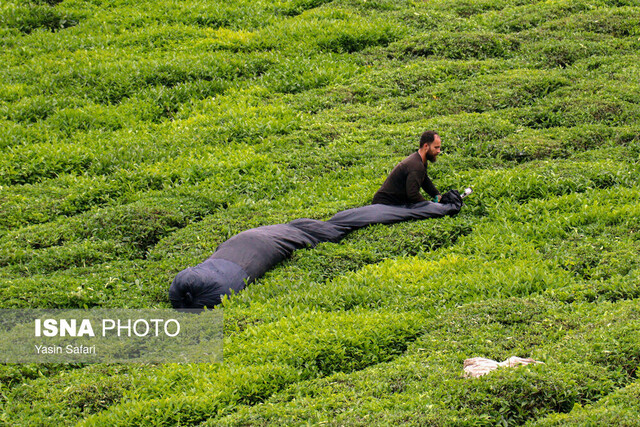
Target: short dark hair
(427, 138)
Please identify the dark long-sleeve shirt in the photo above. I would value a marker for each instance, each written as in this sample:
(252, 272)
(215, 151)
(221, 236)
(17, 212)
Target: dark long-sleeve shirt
(403, 184)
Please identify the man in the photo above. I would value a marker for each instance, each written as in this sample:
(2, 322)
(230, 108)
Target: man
(402, 186)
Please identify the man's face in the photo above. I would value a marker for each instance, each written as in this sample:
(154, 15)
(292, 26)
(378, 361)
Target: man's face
(434, 149)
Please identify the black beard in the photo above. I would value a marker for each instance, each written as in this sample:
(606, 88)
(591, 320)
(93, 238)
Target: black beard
(431, 157)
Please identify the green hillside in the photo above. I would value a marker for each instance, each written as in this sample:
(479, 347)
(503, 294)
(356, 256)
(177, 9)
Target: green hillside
(136, 136)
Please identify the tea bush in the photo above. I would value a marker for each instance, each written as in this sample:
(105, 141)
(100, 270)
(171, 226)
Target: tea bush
(562, 51)
(138, 136)
(430, 372)
(296, 7)
(563, 142)
(381, 337)
(470, 45)
(30, 17)
(41, 161)
(77, 393)
(619, 22)
(469, 8)
(519, 17)
(619, 408)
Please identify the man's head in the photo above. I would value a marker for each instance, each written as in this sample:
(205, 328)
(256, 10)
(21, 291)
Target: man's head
(430, 146)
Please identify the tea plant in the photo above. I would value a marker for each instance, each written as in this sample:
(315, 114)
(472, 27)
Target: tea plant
(138, 136)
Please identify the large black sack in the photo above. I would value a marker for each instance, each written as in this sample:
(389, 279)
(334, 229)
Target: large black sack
(389, 214)
(248, 255)
(205, 284)
(259, 249)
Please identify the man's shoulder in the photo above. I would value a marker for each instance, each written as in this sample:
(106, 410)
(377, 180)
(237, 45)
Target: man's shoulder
(413, 160)
(409, 164)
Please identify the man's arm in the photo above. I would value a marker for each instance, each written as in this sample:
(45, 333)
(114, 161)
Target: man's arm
(429, 188)
(414, 179)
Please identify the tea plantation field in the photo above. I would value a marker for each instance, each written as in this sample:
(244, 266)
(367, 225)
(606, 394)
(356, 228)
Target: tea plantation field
(136, 136)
